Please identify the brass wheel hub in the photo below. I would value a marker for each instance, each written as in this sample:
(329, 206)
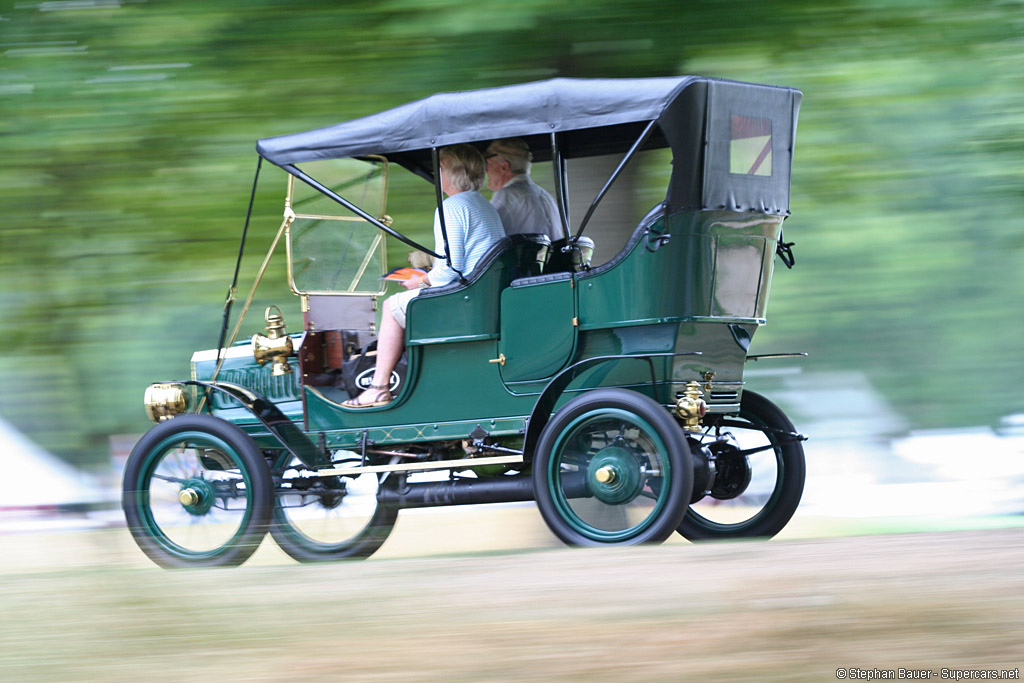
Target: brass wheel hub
(188, 496)
(197, 496)
(614, 475)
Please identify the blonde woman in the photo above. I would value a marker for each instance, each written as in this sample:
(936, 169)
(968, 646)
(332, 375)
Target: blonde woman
(473, 227)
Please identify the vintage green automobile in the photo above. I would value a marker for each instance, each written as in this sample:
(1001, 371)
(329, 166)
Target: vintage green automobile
(600, 376)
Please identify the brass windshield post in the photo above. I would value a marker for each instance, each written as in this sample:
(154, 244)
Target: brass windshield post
(373, 220)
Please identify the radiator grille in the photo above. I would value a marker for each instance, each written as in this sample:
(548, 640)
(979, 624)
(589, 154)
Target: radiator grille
(259, 379)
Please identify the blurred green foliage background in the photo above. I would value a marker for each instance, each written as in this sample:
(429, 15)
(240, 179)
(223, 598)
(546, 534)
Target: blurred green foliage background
(127, 132)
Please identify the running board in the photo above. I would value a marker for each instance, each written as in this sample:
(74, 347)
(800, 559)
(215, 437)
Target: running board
(461, 464)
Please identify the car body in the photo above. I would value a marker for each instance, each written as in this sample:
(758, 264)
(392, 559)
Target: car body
(610, 390)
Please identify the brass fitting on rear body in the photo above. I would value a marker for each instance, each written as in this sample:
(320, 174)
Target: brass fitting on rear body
(691, 408)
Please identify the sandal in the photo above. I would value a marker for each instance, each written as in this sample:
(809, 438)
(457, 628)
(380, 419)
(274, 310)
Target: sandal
(383, 398)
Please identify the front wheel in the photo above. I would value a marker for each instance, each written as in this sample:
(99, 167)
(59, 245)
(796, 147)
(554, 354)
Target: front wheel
(197, 493)
(612, 468)
(321, 519)
(760, 467)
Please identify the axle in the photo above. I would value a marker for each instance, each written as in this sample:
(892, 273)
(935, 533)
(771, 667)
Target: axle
(400, 493)
(466, 491)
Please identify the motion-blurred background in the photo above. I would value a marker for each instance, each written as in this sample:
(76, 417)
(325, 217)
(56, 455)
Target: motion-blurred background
(127, 133)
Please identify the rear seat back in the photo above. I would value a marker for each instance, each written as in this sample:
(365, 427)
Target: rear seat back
(468, 312)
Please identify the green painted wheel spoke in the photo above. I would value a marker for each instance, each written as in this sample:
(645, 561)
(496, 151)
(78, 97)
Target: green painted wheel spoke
(324, 520)
(764, 477)
(633, 482)
(193, 528)
(617, 499)
(197, 492)
(759, 476)
(170, 479)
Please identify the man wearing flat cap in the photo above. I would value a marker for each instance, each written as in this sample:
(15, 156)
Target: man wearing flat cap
(524, 206)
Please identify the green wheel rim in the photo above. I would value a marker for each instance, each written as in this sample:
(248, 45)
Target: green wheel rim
(768, 506)
(756, 497)
(160, 455)
(646, 449)
(339, 530)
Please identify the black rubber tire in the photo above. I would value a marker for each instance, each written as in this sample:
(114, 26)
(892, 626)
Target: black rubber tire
(662, 435)
(785, 496)
(163, 462)
(363, 542)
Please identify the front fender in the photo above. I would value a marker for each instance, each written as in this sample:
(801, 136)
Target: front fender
(270, 416)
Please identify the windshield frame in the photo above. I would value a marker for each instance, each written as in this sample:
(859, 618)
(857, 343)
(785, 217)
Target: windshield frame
(378, 246)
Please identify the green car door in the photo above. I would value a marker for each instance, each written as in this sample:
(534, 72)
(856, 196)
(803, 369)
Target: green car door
(538, 327)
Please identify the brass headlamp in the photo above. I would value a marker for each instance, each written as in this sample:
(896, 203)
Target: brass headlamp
(164, 401)
(275, 345)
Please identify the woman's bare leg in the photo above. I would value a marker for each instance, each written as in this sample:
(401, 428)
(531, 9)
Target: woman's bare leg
(390, 344)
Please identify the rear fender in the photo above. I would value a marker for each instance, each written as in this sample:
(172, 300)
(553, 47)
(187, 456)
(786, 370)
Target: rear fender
(545, 404)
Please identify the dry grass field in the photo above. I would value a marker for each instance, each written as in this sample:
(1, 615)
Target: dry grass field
(442, 602)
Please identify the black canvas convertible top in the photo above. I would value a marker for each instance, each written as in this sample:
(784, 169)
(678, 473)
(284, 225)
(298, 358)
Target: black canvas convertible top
(711, 125)
(528, 109)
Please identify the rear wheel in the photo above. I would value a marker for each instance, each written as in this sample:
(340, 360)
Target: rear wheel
(612, 468)
(760, 474)
(197, 493)
(320, 519)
